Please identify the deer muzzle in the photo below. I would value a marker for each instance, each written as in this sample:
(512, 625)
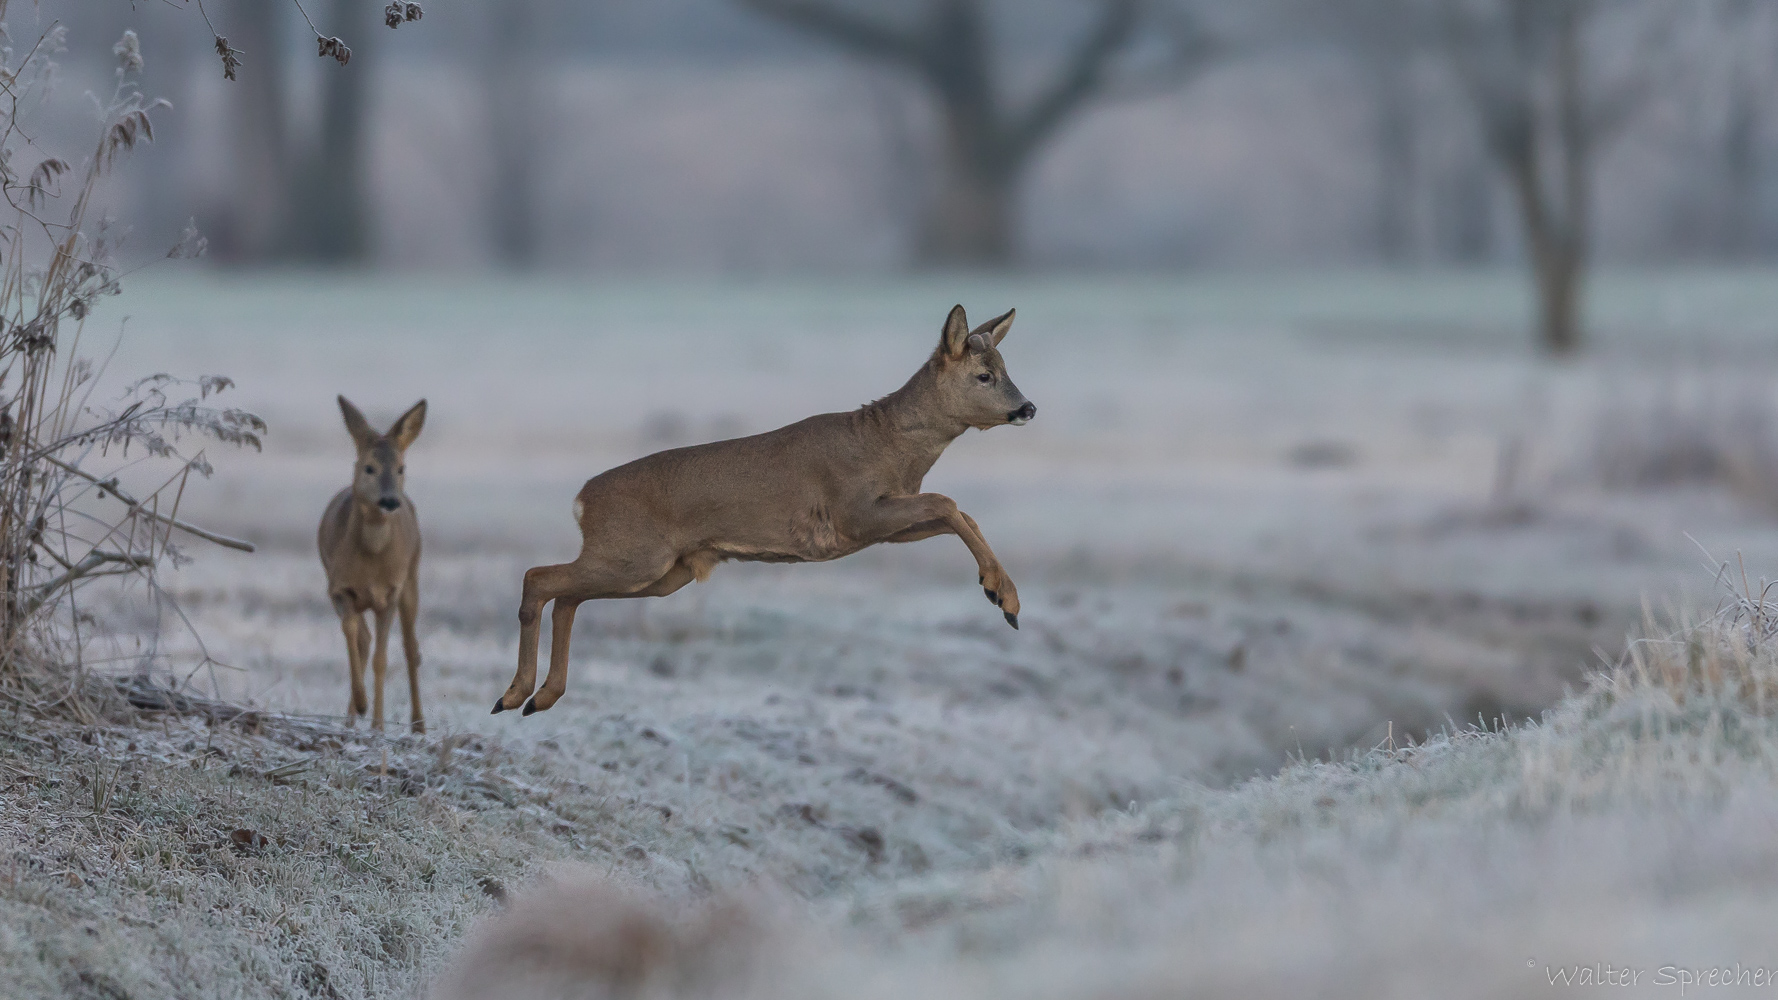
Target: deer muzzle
(389, 503)
(1022, 414)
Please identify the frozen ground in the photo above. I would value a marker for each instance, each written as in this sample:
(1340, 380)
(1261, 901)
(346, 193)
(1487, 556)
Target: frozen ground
(1256, 517)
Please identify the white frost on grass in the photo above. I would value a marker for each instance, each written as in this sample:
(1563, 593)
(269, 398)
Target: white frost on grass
(1631, 829)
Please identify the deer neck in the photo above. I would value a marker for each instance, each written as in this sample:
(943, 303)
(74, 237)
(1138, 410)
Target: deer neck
(915, 421)
(373, 527)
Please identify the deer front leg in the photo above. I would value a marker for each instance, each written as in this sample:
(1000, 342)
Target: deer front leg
(352, 626)
(905, 519)
(379, 663)
(410, 647)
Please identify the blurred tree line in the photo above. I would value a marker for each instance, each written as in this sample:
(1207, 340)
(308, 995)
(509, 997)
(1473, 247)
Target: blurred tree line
(1487, 121)
(1547, 86)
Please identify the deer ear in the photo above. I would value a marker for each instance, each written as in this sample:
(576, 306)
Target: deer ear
(953, 343)
(995, 329)
(356, 425)
(408, 426)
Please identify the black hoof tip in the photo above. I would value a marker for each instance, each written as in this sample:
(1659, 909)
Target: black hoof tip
(530, 705)
(1011, 619)
(992, 597)
(499, 705)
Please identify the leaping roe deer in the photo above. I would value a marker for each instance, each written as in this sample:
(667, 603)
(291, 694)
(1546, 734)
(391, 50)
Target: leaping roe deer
(816, 490)
(370, 548)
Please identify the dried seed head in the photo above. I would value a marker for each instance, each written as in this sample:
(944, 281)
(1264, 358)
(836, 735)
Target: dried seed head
(31, 337)
(43, 180)
(333, 47)
(128, 51)
(231, 57)
(396, 13)
(123, 135)
(191, 242)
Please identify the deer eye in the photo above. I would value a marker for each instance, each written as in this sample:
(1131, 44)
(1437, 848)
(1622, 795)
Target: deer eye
(370, 470)
(401, 470)
(984, 378)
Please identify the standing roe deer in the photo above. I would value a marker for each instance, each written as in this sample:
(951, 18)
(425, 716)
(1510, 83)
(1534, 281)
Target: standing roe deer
(370, 548)
(816, 490)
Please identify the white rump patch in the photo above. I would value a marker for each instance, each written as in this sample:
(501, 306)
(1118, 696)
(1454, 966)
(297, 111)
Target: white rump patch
(579, 509)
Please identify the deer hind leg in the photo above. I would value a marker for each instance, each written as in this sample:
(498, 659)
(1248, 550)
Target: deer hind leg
(379, 663)
(585, 579)
(542, 585)
(562, 628)
(561, 633)
(410, 648)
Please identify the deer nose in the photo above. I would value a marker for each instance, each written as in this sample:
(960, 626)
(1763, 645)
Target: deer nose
(1023, 413)
(389, 503)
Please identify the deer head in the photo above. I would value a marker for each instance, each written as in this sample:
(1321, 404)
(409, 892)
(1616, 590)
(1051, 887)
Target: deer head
(972, 383)
(381, 473)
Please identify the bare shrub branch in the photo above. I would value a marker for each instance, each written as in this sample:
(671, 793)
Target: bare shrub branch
(66, 521)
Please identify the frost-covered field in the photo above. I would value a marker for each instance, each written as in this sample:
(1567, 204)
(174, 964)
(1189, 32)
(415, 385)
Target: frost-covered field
(1285, 508)
(1256, 518)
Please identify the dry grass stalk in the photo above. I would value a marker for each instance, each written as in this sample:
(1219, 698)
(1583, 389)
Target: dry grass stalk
(1728, 658)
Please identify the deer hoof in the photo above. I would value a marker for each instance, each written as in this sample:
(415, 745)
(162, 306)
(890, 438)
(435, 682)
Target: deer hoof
(993, 598)
(1011, 619)
(499, 705)
(530, 705)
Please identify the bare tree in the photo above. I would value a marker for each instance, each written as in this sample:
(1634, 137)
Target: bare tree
(1383, 39)
(988, 141)
(1740, 162)
(329, 198)
(1545, 113)
(252, 220)
(1746, 52)
(512, 93)
(317, 207)
(1464, 209)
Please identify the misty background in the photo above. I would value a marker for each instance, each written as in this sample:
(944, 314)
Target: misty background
(744, 137)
